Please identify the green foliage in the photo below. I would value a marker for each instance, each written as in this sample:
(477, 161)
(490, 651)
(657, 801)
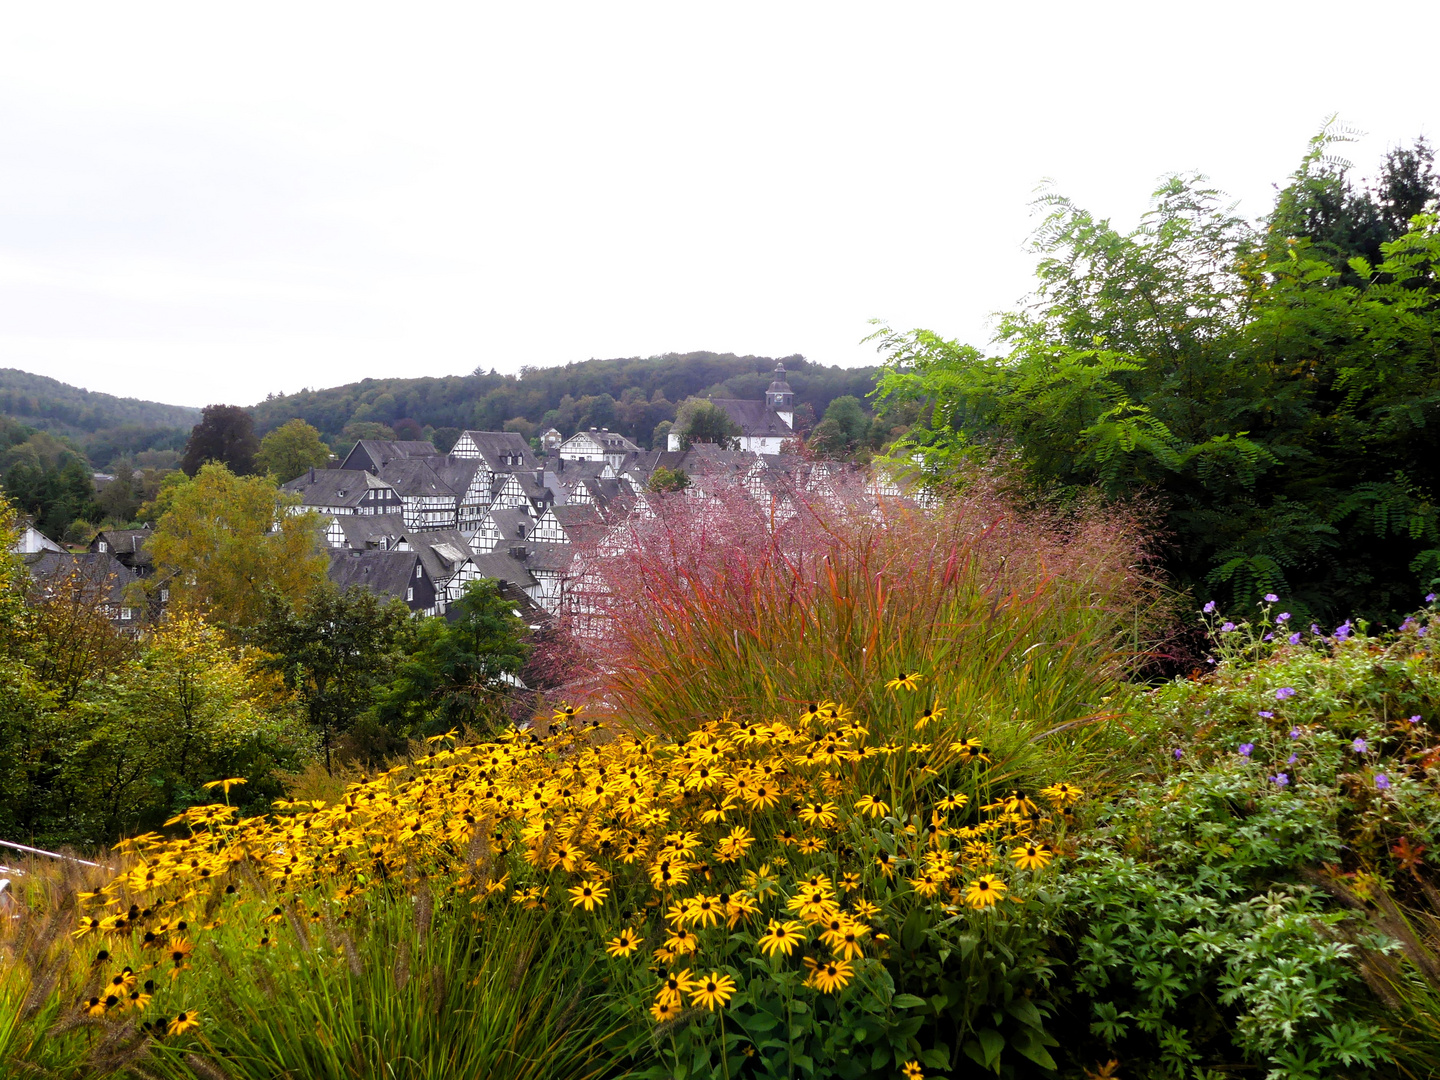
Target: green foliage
(632, 396)
(225, 435)
(223, 542)
(49, 479)
(333, 651)
(289, 450)
(1285, 416)
(701, 421)
(457, 673)
(665, 479)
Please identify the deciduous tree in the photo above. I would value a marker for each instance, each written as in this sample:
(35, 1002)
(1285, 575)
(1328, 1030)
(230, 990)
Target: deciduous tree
(289, 450)
(225, 434)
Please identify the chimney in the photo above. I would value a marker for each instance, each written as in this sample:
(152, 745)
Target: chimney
(518, 552)
(540, 477)
(312, 474)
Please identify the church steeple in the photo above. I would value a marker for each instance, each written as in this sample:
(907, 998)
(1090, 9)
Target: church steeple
(780, 397)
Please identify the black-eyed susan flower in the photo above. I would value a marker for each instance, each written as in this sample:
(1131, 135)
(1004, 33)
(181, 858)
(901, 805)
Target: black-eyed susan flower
(1031, 857)
(831, 975)
(870, 806)
(911, 1071)
(664, 1010)
(674, 985)
(712, 991)
(905, 680)
(623, 944)
(782, 938)
(1062, 794)
(984, 891)
(183, 1022)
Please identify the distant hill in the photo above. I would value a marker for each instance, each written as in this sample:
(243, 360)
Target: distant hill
(103, 425)
(629, 395)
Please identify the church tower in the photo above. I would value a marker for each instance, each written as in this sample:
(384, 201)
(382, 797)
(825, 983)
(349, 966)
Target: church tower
(781, 398)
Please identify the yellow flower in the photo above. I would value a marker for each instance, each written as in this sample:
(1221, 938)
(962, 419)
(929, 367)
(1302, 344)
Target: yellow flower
(912, 1071)
(664, 1010)
(1062, 795)
(984, 891)
(183, 1022)
(623, 945)
(952, 802)
(904, 681)
(781, 938)
(682, 943)
(871, 806)
(824, 815)
(844, 936)
(713, 990)
(932, 712)
(588, 894)
(674, 985)
(225, 785)
(831, 976)
(1031, 857)
(971, 750)
(850, 882)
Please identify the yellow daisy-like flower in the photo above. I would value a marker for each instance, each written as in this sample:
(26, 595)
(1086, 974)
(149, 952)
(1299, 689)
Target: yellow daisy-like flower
(932, 712)
(1031, 857)
(712, 991)
(831, 976)
(870, 806)
(985, 891)
(953, 801)
(664, 1010)
(904, 681)
(925, 884)
(589, 895)
(225, 785)
(624, 944)
(782, 938)
(822, 815)
(1062, 795)
(971, 750)
(674, 985)
(183, 1022)
(911, 1071)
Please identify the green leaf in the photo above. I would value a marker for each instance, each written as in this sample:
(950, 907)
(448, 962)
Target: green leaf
(1028, 1046)
(908, 1001)
(1024, 1010)
(761, 1022)
(985, 1048)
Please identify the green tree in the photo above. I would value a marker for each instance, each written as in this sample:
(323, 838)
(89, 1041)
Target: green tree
(849, 416)
(289, 450)
(1288, 422)
(223, 542)
(332, 653)
(462, 668)
(225, 434)
(701, 421)
(664, 480)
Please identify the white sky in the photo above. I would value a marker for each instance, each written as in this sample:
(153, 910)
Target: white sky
(204, 202)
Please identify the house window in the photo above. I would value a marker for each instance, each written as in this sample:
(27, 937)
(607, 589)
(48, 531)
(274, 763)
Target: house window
(102, 546)
(409, 595)
(126, 614)
(417, 570)
(164, 596)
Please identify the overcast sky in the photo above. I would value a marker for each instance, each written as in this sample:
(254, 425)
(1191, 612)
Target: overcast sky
(204, 202)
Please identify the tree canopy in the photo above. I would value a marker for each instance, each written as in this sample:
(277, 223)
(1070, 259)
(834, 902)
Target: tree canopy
(289, 450)
(225, 434)
(1275, 387)
(701, 421)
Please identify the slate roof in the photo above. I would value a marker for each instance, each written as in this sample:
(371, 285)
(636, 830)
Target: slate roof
(370, 530)
(93, 570)
(553, 557)
(612, 441)
(375, 454)
(333, 487)
(754, 417)
(509, 520)
(127, 545)
(442, 551)
(385, 573)
(500, 566)
(493, 445)
(580, 522)
(414, 478)
(455, 472)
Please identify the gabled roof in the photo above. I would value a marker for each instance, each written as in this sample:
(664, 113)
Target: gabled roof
(754, 417)
(554, 558)
(455, 472)
(581, 523)
(514, 522)
(443, 551)
(414, 478)
(384, 573)
(500, 566)
(370, 530)
(496, 445)
(612, 441)
(93, 570)
(333, 487)
(377, 453)
(32, 540)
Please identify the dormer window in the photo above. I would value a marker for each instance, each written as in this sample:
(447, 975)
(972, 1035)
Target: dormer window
(417, 570)
(102, 546)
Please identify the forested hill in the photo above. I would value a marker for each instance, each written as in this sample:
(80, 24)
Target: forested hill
(56, 406)
(627, 395)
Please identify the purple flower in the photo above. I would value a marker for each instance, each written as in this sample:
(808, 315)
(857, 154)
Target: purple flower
(1284, 616)
(1344, 630)
(1246, 749)
(1270, 598)
(1408, 624)
(1415, 719)
(1382, 781)
(1359, 745)
(1267, 714)
(1315, 629)
(1430, 598)
(1269, 637)
(1280, 779)
(1227, 628)
(1179, 753)
(1294, 733)
(1294, 639)
(1292, 759)
(1284, 692)
(1209, 608)
(1423, 631)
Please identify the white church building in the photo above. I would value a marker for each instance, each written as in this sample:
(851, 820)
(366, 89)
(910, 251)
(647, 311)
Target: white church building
(764, 426)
